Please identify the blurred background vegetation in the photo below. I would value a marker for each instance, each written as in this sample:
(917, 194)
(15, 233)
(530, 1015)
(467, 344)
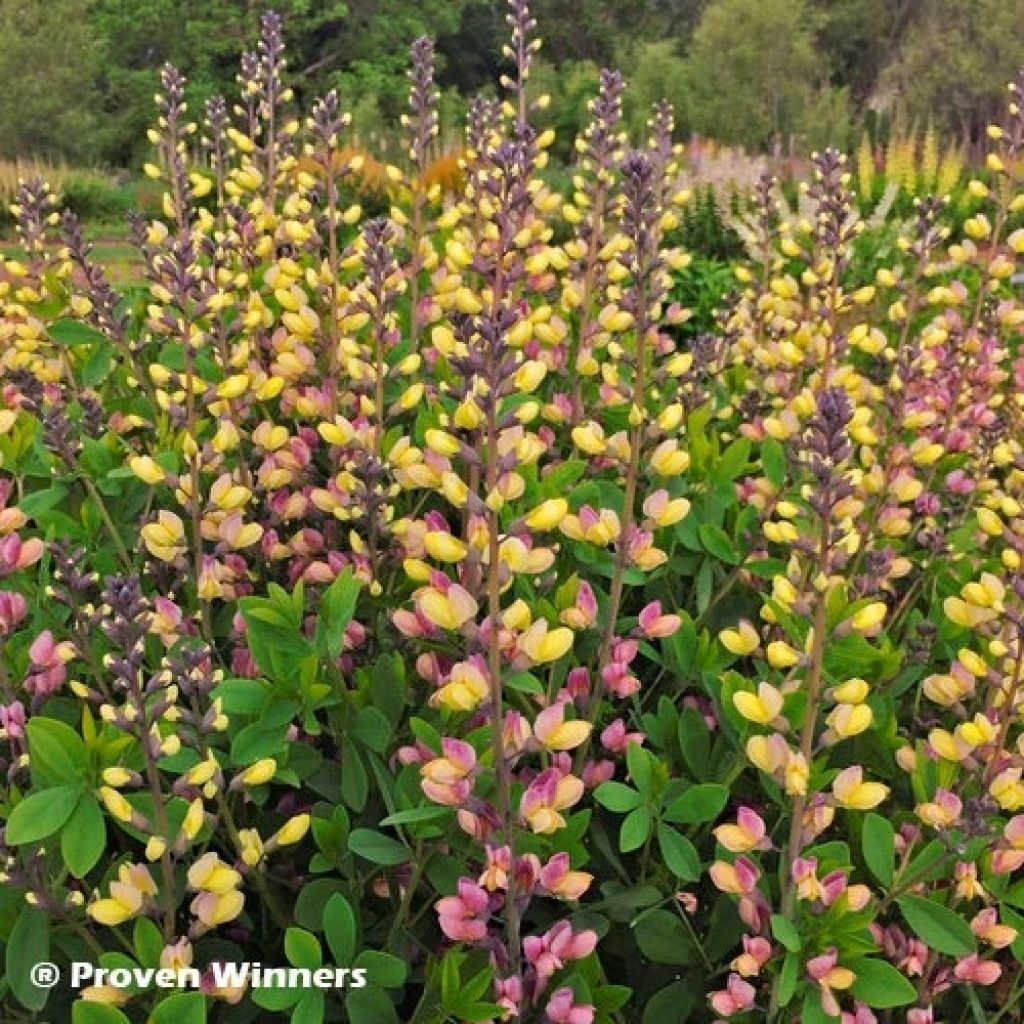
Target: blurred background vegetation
(907, 85)
(77, 76)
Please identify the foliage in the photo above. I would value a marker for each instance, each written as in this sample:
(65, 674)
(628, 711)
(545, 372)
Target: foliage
(435, 595)
(750, 70)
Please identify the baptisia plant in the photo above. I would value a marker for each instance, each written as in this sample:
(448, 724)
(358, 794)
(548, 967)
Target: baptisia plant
(414, 593)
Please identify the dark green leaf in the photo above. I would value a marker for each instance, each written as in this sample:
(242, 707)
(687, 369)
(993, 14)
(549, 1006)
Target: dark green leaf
(340, 929)
(617, 796)
(636, 828)
(40, 814)
(944, 930)
(27, 945)
(786, 933)
(302, 948)
(84, 837)
(698, 804)
(880, 985)
(679, 854)
(57, 753)
(878, 844)
(377, 847)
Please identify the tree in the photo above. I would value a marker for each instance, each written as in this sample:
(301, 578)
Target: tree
(47, 61)
(955, 59)
(751, 70)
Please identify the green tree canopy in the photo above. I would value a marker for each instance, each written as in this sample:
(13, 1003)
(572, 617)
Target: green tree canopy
(48, 58)
(751, 69)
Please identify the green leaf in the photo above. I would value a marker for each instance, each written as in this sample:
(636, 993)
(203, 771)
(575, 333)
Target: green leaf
(27, 945)
(641, 769)
(813, 1012)
(671, 1005)
(386, 970)
(773, 459)
(340, 929)
(786, 933)
(617, 796)
(57, 754)
(662, 938)
(430, 812)
(944, 930)
(789, 976)
(273, 637)
(698, 804)
(99, 364)
(378, 848)
(718, 542)
(147, 942)
(372, 729)
(302, 948)
(370, 1005)
(310, 1009)
(84, 837)
(72, 333)
(40, 814)
(636, 827)
(337, 606)
(878, 844)
(182, 1008)
(96, 1013)
(679, 854)
(881, 986)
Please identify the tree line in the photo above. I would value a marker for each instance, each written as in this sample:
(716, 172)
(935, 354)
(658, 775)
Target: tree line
(77, 76)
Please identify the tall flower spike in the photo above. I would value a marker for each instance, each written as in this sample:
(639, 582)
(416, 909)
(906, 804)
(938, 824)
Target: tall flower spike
(520, 51)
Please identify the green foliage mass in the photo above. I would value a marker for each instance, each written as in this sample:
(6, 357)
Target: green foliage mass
(77, 76)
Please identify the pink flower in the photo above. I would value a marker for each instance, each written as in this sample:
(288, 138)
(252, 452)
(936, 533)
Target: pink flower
(508, 993)
(737, 996)
(825, 970)
(17, 554)
(550, 952)
(654, 625)
(12, 720)
(463, 918)
(977, 971)
(616, 739)
(47, 661)
(562, 1009)
(756, 953)
(596, 772)
(551, 792)
(13, 609)
(987, 928)
(560, 881)
(448, 780)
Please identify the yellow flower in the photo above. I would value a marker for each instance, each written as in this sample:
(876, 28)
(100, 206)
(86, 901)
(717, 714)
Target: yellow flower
(869, 618)
(292, 831)
(548, 514)
(211, 874)
(762, 707)
(442, 546)
(848, 720)
(851, 791)
(147, 469)
(164, 539)
(543, 645)
(259, 773)
(116, 804)
(740, 641)
(781, 655)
